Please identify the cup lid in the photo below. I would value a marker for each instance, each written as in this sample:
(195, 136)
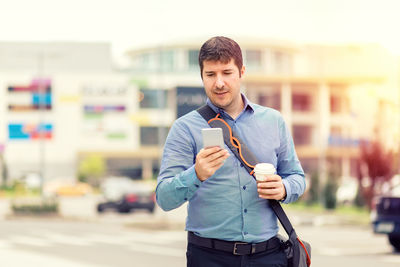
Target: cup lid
(264, 168)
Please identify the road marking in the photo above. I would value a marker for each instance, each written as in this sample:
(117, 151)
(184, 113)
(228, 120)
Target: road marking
(5, 245)
(46, 238)
(157, 238)
(391, 259)
(67, 239)
(29, 241)
(351, 251)
(158, 250)
(20, 258)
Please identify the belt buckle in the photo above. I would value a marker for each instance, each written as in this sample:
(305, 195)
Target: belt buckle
(235, 247)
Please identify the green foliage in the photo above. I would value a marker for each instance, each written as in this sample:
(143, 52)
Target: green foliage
(313, 193)
(359, 201)
(330, 193)
(17, 188)
(91, 169)
(36, 207)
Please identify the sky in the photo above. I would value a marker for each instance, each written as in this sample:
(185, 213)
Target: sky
(128, 24)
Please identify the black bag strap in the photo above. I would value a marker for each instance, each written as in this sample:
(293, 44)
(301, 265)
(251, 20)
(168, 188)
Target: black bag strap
(208, 114)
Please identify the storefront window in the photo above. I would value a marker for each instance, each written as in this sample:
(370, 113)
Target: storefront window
(153, 98)
(153, 135)
(302, 134)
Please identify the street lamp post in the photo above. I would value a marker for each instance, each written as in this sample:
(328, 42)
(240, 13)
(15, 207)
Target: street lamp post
(42, 109)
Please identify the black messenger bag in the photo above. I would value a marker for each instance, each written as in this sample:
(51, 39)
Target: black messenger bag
(298, 252)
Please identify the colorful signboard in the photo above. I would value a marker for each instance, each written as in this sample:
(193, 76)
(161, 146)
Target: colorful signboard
(34, 96)
(20, 131)
(98, 109)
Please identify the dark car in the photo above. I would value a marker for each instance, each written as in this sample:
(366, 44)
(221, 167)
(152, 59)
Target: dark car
(124, 195)
(387, 217)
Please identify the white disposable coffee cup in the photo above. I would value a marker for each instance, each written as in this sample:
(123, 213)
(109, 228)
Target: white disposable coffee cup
(263, 170)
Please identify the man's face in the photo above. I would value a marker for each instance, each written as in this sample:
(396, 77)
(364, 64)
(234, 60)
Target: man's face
(222, 84)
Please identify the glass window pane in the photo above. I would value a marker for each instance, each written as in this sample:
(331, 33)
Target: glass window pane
(253, 59)
(335, 104)
(167, 60)
(270, 100)
(193, 58)
(302, 134)
(153, 98)
(152, 135)
(301, 102)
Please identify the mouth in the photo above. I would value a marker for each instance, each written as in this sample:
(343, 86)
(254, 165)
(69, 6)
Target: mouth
(220, 93)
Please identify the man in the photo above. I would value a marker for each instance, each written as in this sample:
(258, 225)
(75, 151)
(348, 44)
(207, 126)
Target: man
(229, 221)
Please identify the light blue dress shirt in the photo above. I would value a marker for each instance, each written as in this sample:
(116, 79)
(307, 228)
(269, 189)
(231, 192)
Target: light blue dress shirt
(226, 205)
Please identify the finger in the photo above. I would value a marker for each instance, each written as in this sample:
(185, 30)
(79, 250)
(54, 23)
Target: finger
(268, 192)
(217, 155)
(274, 177)
(269, 184)
(276, 197)
(218, 161)
(205, 152)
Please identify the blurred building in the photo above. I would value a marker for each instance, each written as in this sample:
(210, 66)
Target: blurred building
(60, 102)
(331, 96)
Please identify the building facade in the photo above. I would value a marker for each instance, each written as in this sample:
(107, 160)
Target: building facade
(331, 97)
(60, 103)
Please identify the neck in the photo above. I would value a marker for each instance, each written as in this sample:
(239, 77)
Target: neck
(235, 111)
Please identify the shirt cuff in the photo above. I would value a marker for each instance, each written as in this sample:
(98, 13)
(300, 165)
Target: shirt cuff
(192, 182)
(288, 191)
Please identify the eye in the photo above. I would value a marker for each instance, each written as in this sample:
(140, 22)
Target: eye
(228, 73)
(210, 74)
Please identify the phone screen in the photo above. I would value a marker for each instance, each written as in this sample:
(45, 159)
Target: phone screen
(212, 137)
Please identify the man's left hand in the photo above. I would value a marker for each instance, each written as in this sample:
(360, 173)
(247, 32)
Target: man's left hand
(272, 188)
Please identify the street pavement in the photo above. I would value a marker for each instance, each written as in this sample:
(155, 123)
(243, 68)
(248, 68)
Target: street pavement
(62, 243)
(82, 238)
(59, 242)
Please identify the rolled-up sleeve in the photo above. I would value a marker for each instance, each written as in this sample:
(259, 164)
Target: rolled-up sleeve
(177, 181)
(289, 167)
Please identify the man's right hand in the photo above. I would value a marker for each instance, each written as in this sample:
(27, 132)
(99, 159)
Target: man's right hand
(208, 161)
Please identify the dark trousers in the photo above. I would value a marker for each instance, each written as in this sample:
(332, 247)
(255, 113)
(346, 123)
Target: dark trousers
(205, 257)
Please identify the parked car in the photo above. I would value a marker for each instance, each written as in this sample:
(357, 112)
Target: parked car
(386, 216)
(124, 195)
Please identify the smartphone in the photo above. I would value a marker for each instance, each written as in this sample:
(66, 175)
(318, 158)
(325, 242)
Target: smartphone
(212, 137)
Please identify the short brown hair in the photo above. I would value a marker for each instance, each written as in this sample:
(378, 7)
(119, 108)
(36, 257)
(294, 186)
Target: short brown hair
(221, 49)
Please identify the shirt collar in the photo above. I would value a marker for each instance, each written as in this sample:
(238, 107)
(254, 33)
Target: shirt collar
(247, 105)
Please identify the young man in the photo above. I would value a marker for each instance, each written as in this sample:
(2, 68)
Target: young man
(229, 221)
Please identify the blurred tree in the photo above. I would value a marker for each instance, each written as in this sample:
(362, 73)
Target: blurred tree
(359, 200)
(374, 164)
(313, 193)
(4, 171)
(91, 169)
(330, 190)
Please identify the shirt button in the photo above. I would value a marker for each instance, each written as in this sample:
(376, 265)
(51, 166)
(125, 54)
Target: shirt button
(245, 210)
(244, 187)
(196, 185)
(241, 164)
(185, 198)
(245, 233)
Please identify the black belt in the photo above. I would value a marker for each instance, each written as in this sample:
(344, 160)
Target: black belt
(236, 248)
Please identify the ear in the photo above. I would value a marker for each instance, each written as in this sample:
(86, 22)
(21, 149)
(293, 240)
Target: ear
(242, 71)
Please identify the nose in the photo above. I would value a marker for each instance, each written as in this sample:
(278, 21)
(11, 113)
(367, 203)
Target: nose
(219, 83)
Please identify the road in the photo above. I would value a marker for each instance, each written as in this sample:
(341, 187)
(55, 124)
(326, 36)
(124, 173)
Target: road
(82, 238)
(62, 243)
